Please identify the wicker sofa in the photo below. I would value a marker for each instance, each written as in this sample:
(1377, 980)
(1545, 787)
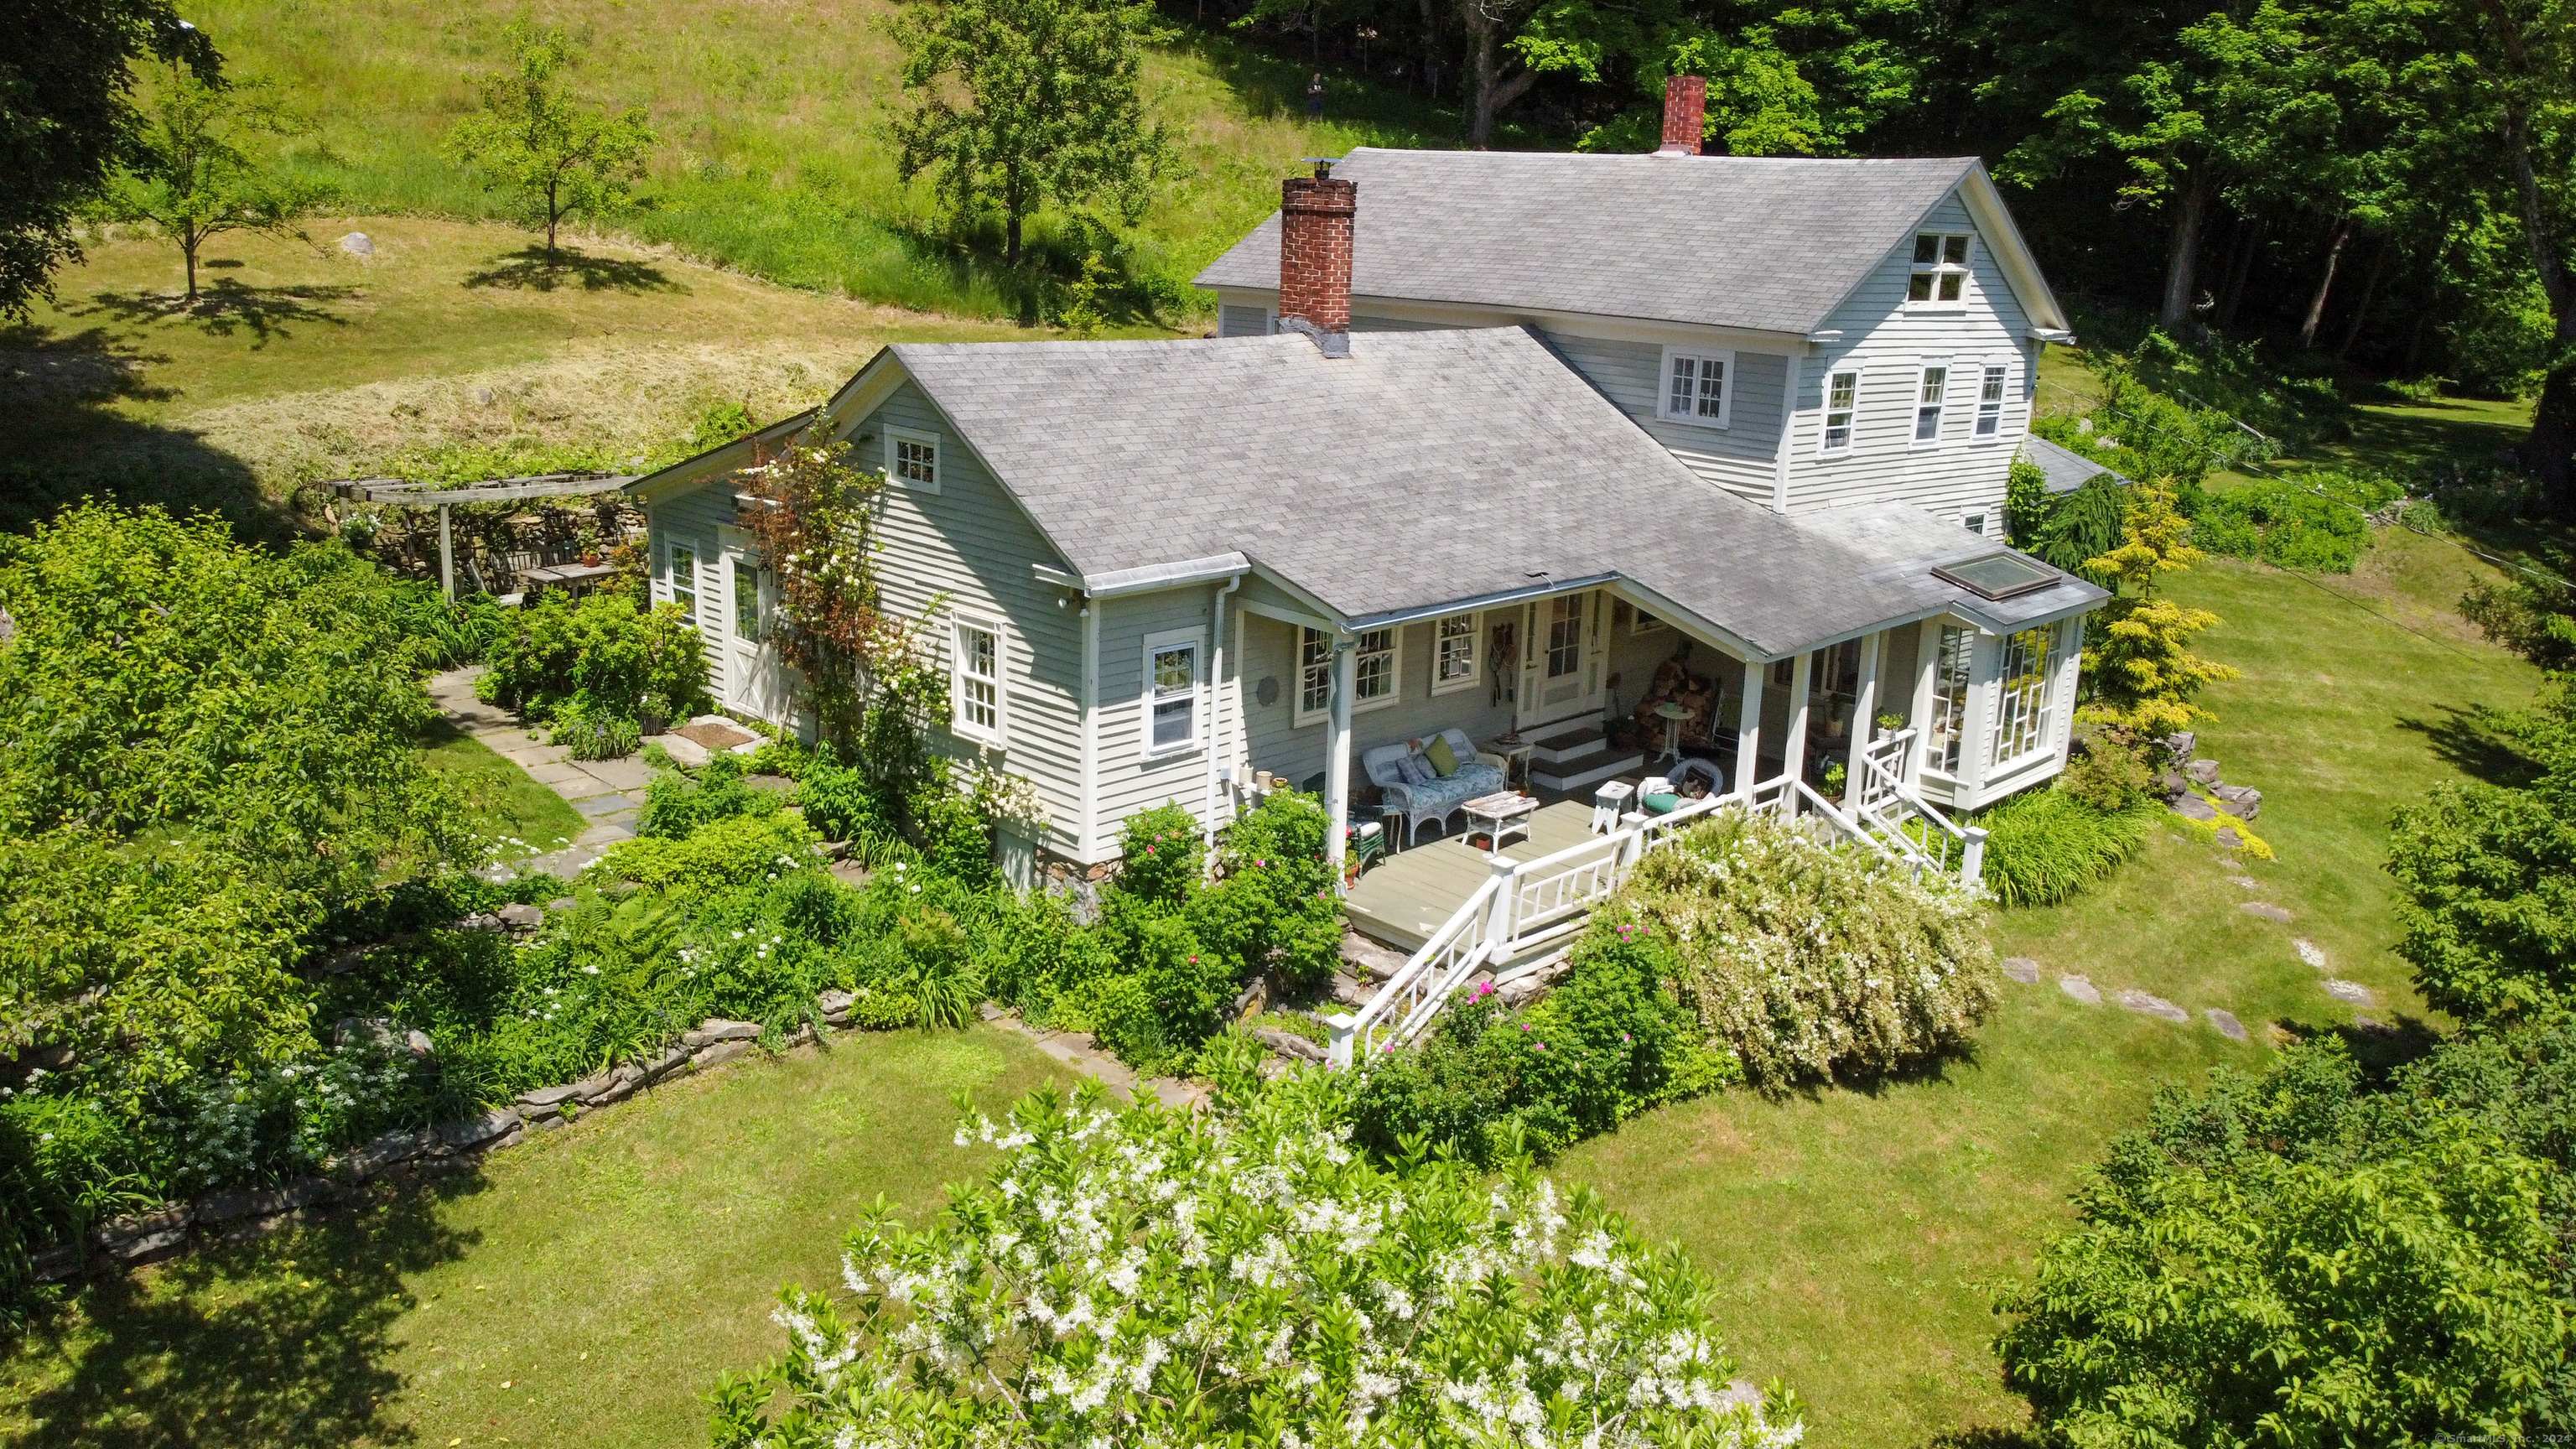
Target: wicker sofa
(1422, 795)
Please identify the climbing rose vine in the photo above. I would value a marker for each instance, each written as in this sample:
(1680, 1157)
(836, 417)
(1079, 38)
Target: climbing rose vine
(1131, 1275)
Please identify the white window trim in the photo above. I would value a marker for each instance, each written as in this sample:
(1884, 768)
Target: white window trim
(938, 459)
(1726, 396)
(1000, 734)
(1965, 270)
(1851, 427)
(1395, 668)
(1641, 622)
(671, 548)
(1299, 715)
(1475, 655)
(1196, 639)
(1914, 403)
(1977, 404)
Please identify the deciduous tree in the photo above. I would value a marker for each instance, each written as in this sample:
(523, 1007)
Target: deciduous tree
(534, 138)
(193, 174)
(1018, 103)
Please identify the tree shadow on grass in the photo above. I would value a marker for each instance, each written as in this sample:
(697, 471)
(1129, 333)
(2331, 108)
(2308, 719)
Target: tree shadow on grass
(225, 308)
(2479, 741)
(281, 1340)
(2378, 1047)
(64, 436)
(529, 269)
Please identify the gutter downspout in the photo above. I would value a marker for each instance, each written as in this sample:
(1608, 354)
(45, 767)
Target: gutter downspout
(1217, 766)
(1090, 729)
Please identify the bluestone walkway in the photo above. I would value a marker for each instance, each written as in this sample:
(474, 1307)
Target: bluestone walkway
(608, 793)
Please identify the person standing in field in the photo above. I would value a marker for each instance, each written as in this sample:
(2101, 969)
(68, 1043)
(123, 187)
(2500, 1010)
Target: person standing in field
(1315, 97)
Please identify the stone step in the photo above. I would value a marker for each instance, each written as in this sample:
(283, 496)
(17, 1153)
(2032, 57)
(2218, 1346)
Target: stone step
(1583, 775)
(1368, 959)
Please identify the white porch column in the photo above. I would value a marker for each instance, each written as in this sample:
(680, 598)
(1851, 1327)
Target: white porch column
(446, 555)
(1927, 662)
(1337, 759)
(1793, 748)
(1865, 702)
(1748, 732)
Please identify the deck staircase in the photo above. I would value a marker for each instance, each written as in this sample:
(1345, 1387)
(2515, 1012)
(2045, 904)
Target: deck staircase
(1574, 759)
(1517, 926)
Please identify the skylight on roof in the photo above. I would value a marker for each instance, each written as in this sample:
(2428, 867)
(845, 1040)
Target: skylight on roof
(1998, 575)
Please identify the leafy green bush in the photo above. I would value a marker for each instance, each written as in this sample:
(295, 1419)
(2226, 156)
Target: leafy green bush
(675, 804)
(1805, 960)
(2285, 1260)
(451, 632)
(1608, 1042)
(2489, 873)
(1162, 857)
(839, 800)
(733, 851)
(2043, 846)
(628, 663)
(2109, 771)
(590, 730)
(2317, 521)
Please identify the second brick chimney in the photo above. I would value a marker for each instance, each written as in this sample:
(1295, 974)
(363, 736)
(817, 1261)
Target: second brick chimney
(1685, 114)
(1315, 216)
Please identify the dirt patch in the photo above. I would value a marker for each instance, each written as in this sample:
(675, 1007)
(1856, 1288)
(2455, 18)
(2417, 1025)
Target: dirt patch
(715, 736)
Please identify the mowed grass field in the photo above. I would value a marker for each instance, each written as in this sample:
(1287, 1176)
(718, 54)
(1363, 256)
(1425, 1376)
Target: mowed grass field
(775, 154)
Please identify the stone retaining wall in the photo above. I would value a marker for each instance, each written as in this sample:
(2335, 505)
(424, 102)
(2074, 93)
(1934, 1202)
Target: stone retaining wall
(409, 1157)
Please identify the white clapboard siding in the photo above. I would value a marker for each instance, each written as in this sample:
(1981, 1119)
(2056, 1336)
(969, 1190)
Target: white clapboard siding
(1889, 345)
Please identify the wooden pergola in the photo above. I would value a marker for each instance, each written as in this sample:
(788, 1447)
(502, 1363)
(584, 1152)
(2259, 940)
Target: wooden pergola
(406, 493)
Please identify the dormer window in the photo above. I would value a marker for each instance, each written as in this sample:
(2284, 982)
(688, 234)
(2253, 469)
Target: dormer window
(1940, 268)
(1696, 387)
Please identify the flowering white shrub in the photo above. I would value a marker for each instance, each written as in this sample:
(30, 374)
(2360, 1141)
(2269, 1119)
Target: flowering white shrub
(1806, 959)
(1130, 1275)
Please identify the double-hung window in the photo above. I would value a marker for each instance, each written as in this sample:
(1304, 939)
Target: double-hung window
(1990, 405)
(684, 580)
(1696, 387)
(975, 680)
(1564, 635)
(1172, 691)
(1453, 660)
(1927, 403)
(1940, 268)
(1373, 672)
(1842, 396)
(912, 460)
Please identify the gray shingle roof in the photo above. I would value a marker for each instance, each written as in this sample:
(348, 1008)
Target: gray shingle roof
(2065, 468)
(1428, 468)
(1765, 243)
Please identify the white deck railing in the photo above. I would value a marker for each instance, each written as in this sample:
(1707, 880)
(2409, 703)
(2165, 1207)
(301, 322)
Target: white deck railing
(1513, 921)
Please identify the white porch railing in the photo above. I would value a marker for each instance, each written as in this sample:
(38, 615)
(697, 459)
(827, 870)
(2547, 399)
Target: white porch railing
(1523, 909)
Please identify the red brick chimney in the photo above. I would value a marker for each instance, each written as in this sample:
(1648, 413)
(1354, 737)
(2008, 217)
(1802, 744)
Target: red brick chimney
(1315, 215)
(1685, 114)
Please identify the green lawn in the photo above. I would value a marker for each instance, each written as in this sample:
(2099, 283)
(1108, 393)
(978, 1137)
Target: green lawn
(775, 157)
(1852, 1231)
(581, 1290)
(501, 801)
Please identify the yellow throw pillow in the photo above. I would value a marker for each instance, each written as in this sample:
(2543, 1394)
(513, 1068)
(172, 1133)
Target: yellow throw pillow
(1444, 760)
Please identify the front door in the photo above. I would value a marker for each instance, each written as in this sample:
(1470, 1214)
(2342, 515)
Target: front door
(1563, 662)
(750, 667)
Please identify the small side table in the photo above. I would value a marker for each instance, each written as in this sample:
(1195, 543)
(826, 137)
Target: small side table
(1516, 760)
(1608, 804)
(1501, 814)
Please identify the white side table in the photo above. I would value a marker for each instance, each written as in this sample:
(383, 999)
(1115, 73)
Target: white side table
(1608, 804)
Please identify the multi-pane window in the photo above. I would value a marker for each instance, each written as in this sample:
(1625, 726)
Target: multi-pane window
(1927, 404)
(1564, 635)
(915, 460)
(1314, 674)
(1940, 268)
(684, 580)
(1172, 691)
(1974, 523)
(1453, 662)
(1842, 393)
(1950, 698)
(1373, 668)
(746, 602)
(975, 682)
(1695, 387)
(2021, 704)
(1990, 404)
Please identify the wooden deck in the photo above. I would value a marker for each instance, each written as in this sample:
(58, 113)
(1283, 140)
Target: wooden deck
(1410, 894)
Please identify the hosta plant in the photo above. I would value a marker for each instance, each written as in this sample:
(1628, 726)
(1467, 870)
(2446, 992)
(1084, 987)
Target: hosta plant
(1130, 1275)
